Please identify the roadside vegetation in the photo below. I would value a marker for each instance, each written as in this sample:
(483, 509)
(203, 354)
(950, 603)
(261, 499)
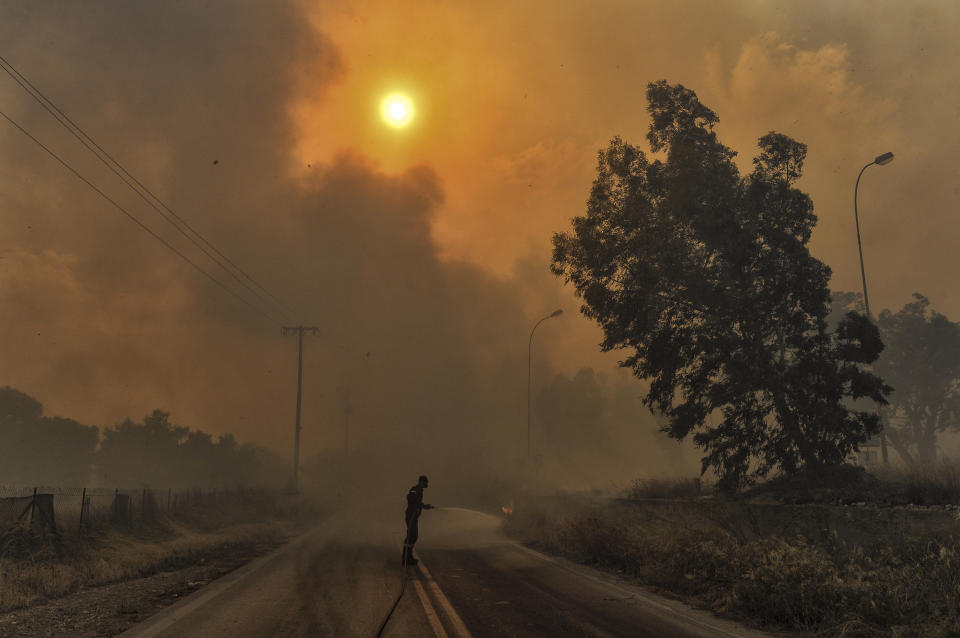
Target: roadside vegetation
(114, 557)
(785, 556)
(67, 524)
(700, 274)
(35, 569)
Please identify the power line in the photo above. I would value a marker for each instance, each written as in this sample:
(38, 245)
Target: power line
(134, 219)
(63, 119)
(141, 190)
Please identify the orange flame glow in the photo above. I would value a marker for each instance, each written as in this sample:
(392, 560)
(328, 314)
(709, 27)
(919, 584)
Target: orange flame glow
(508, 509)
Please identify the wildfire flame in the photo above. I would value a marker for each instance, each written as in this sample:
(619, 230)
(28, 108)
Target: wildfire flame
(508, 509)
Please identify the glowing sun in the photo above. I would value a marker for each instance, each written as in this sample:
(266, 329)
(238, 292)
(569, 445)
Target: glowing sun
(397, 110)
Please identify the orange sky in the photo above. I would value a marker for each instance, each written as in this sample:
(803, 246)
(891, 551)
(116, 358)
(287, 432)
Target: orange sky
(353, 221)
(514, 99)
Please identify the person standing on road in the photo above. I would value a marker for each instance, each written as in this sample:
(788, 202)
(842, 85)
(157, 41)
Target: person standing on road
(415, 505)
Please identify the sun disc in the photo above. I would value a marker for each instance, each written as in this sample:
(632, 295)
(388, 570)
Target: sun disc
(397, 110)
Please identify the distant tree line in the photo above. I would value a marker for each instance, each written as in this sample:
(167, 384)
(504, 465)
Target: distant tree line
(41, 449)
(56, 451)
(921, 361)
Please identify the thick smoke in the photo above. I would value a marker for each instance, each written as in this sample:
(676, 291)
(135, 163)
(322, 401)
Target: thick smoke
(253, 121)
(426, 357)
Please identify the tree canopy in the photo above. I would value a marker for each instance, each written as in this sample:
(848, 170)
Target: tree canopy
(159, 452)
(703, 277)
(922, 363)
(42, 450)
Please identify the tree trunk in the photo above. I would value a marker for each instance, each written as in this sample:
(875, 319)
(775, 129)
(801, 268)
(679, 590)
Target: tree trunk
(895, 438)
(927, 444)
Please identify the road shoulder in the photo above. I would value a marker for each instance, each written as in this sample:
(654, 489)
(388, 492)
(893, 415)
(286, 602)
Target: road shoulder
(113, 608)
(639, 595)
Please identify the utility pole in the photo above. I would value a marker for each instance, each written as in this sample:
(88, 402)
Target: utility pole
(298, 330)
(347, 409)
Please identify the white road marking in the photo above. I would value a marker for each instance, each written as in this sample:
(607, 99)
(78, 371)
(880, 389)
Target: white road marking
(458, 627)
(428, 609)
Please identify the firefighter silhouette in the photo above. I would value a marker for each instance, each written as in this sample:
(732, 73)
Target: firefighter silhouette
(415, 506)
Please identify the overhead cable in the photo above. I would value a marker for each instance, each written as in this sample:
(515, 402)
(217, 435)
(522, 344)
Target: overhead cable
(181, 225)
(135, 220)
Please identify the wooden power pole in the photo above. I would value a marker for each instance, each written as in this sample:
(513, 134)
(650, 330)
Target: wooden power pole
(347, 409)
(298, 330)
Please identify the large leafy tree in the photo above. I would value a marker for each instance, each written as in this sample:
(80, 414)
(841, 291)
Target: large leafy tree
(922, 363)
(704, 278)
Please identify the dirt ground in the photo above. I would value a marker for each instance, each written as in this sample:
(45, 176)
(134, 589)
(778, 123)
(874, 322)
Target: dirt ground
(112, 609)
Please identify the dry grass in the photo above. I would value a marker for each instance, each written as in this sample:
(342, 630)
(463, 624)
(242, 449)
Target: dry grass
(936, 484)
(666, 488)
(113, 557)
(35, 568)
(801, 570)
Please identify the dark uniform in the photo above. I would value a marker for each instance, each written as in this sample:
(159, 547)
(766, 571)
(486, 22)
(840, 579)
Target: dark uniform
(415, 506)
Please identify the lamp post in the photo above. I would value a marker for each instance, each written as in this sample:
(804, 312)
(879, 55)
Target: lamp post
(555, 313)
(879, 160)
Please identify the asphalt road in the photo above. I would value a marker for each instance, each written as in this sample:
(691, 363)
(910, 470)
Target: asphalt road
(341, 579)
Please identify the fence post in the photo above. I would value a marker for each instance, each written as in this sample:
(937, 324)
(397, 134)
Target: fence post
(83, 505)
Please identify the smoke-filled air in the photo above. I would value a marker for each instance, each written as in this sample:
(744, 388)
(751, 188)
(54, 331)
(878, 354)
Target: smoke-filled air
(278, 259)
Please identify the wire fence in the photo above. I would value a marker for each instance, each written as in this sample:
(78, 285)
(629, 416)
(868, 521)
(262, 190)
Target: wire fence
(45, 511)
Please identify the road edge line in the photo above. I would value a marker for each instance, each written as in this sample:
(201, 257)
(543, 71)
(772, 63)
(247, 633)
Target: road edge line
(458, 626)
(428, 609)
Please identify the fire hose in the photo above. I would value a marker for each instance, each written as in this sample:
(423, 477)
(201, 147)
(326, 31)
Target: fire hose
(403, 587)
(407, 553)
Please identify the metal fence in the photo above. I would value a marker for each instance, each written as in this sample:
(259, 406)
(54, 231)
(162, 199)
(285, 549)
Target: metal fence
(46, 510)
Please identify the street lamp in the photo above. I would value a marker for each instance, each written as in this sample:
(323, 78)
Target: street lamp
(555, 313)
(879, 160)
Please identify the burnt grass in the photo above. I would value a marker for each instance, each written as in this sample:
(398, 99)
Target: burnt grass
(834, 553)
